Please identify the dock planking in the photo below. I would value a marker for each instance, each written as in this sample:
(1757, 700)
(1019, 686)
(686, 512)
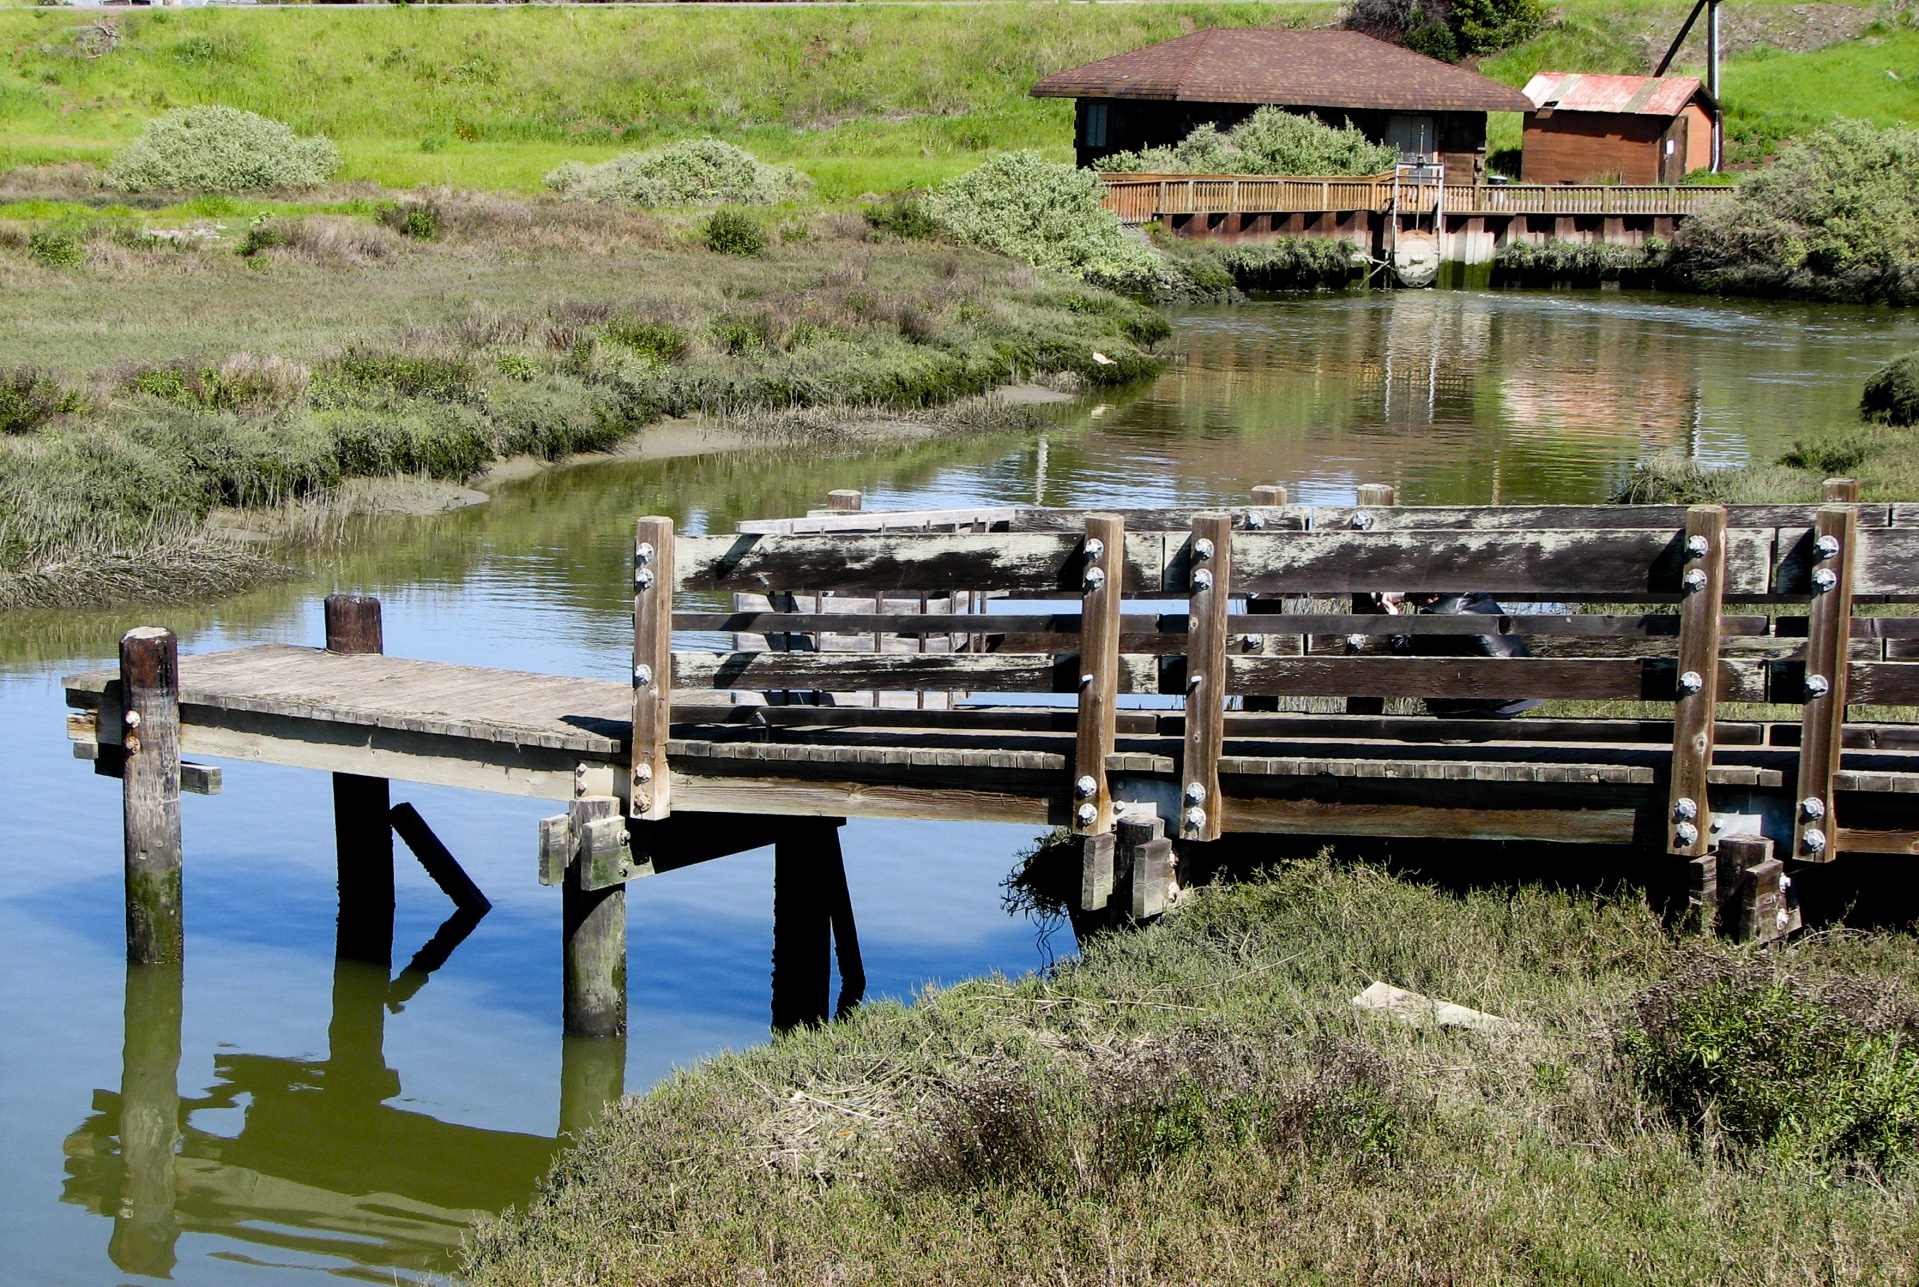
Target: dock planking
(884, 666)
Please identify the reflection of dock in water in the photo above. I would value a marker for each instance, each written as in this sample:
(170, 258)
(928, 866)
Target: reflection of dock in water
(322, 1165)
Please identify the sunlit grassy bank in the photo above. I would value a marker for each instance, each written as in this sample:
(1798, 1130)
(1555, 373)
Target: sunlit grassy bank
(1201, 1102)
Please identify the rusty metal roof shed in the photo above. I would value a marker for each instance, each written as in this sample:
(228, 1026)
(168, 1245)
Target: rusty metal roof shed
(1628, 95)
(1287, 68)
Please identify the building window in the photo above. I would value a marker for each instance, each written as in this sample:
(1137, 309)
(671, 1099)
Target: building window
(1096, 125)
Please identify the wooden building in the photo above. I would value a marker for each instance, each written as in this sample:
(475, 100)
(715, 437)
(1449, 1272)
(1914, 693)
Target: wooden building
(1621, 129)
(1155, 96)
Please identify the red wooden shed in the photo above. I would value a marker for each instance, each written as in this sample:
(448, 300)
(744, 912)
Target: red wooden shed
(1628, 129)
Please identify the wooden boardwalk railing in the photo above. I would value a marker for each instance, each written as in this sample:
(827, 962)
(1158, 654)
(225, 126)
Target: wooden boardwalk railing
(1117, 673)
(1141, 198)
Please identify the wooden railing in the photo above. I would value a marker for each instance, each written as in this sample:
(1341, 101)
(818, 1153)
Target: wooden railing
(1140, 198)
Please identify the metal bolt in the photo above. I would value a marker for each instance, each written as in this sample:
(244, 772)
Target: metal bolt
(1095, 578)
(1193, 681)
(1195, 793)
(1823, 579)
(642, 772)
(643, 552)
(1694, 580)
(643, 676)
(1203, 579)
(1697, 547)
(133, 719)
(1812, 808)
(643, 579)
(1087, 815)
(1826, 546)
(1085, 681)
(1685, 808)
(1196, 819)
(1094, 548)
(1362, 521)
(1690, 682)
(1685, 834)
(1255, 521)
(1086, 788)
(1813, 840)
(1355, 642)
(1717, 825)
(1202, 548)
(1817, 685)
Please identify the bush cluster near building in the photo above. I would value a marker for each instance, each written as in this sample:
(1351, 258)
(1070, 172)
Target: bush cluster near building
(1202, 1103)
(1270, 141)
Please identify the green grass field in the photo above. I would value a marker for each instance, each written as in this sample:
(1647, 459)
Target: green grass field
(863, 97)
(866, 98)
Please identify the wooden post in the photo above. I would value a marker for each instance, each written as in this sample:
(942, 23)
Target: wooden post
(802, 924)
(150, 795)
(1370, 494)
(362, 836)
(651, 796)
(1273, 495)
(844, 498)
(1751, 889)
(1105, 558)
(1840, 491)
(1828, 633)
(1144, 858)
(592, 1077)
(593, 928)
(1689, 812)
(145, 1227)
(1211, 584)
(439, 862)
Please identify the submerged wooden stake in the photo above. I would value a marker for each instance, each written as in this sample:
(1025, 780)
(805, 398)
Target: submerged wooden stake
(594, 932)
(150, 794)
(362, 834)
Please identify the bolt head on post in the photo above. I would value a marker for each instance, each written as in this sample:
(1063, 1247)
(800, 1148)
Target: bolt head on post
(1362, 521)
(1094, 548)
(1812, 808)
(1685, 809)
(643, 579)
(1685, 835)
(643, 552)
(1694, 580)
(1202, 548)
(1086, 788)
(1087, 815)
(1691, 682)
(1813, 840)
(1095, 578)
(1195, 793)
(1196, 819)
(1817, 685)
(1823, 580)
(1697, 547)
(1827, 546)
(1203, 579)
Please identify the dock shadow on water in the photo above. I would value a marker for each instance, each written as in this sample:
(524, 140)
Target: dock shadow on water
(324, 1161)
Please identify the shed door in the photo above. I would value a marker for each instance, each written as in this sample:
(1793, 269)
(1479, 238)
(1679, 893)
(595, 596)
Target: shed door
(1413, 136)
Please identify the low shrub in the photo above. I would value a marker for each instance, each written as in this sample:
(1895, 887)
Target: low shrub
(56, 247)
(1291, 263)
(29, 397)
(436, 438)
(432, 376)
(1270, 141)
(692, 172)
(515, 367)
(733, 232)
(902, 217)
(263, 233)
(221, 149)
(1835, 455)
(242, 381)
(1891, 395)
(1048, 214)
(419, 220)
(1581, 262)
(656, 341)
(1836, 216)
(1821, 1072)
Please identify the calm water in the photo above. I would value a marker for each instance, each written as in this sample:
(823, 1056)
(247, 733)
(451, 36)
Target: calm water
(330, 1121)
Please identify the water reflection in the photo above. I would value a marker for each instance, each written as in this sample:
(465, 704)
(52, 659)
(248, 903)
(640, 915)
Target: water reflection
(309, 1156)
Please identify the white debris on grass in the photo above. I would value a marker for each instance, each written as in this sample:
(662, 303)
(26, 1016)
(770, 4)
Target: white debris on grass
(1412, 1007)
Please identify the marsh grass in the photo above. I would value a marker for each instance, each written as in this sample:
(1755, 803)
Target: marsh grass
(1202, 1103)
(267, 367)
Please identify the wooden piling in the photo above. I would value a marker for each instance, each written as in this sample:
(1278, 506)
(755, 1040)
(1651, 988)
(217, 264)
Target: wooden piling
(802, 924)
(150, 795)
(844, 498)
(1828, 631)
(593, 928)
(145, 1226)
(1840, 491)
(439, 862)
(1105, 570)
(362, 835)
(649, 788)
(1689, 811)
(1200, 807)
(846, 938)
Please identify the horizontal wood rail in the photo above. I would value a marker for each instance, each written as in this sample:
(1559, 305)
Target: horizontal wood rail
(1141, 198)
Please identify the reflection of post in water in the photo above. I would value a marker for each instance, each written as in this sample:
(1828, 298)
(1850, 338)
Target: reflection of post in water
(592, 1076)
(812, 913)
(144, 1224)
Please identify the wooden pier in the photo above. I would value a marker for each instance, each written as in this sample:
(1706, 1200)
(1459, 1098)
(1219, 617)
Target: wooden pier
(1122, 674)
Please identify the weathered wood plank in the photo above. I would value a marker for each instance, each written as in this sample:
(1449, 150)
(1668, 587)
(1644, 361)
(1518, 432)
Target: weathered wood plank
(1098, 682)
(1636, 679)
(1835, 559)
(1703, 580)
(1008, 561)
(1859, 840)
(1273, 518)
(858, 520)
(1556, 564)
(649, 786)
(1210, 555)
(1348, 818)
(1885, 562)
(1556, 517)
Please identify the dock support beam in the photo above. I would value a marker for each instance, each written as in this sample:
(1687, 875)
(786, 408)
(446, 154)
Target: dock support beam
(362, 834)
(810, 907)
(150, 795)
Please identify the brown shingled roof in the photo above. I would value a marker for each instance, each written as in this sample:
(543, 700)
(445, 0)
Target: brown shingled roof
(1289, 68)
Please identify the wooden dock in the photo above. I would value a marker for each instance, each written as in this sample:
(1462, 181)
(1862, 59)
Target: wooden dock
(1120, 674)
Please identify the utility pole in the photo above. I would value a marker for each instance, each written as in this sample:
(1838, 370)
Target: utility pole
(1712, 71)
